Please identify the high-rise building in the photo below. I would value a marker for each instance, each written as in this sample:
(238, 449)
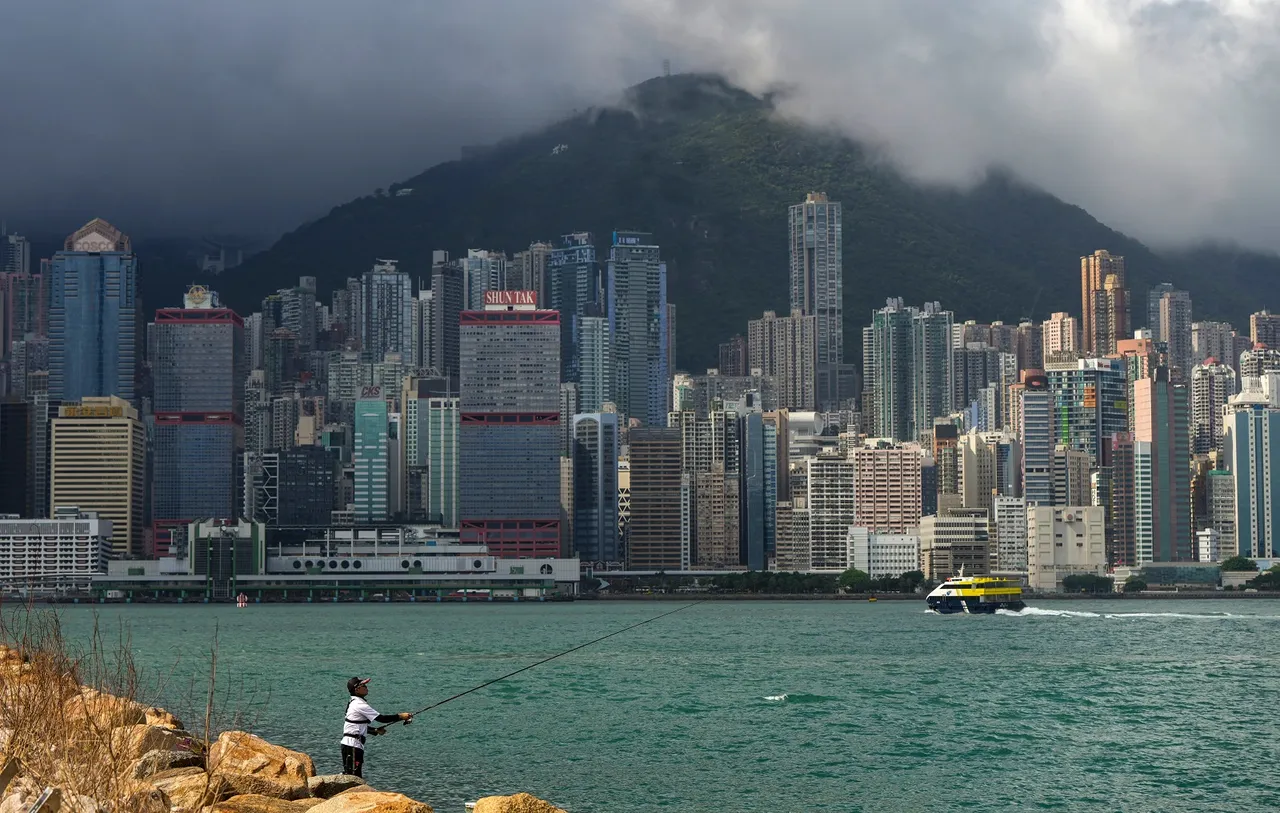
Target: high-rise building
(99, 458)
(658, 532)
(1174, 312)
(990, 466)
(1010, 514)
(735, 357)
(198, 372)
(1264, 328)
(932, 367)
(386, 312)
(1061, 333)
(93, 332)
(1162, 475)
(817, 284)
(298, 312)
(446, 305)
(637, 320)
(786, 350)
(1091, 403)
(509, 441)
(15, 254)
(528, 270)
(955, 539)
(1030, 346)
(1105, 308)
(423, 329)
(1062, 542)
(23, 309)
(430, 448)
(1259, 361)
(1214, 340)
(1211, 385)
(1035, 430)
(482, 270)
(887, 485)
(595, 363)
(371, 458)
(595, 486)
(1071, 481)
(1221, 485)
(291, 487)
(833, 509)
(15, 457)
(712, 462)
(1154, 295)
(910, 368)
(1121, 528)
(1253, 458)
(574, 289)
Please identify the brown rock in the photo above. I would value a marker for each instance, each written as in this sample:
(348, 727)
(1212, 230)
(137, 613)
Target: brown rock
(162, 718)
(257, 803)
(519, 803)
(191, 788)
(105, 711)
(149, 800)
(129, 743)
(326, 787)
(153, 762)
(371, 802)
(252, 765)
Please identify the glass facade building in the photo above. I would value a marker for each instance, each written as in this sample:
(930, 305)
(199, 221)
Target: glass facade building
(817, 284)
(1091, 404)
(573, 272)
(595, 486)
(371, 459)
(92, 313)
(509, 437)
(638, 322)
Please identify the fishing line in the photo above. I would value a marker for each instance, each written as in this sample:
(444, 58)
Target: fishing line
(547, 660)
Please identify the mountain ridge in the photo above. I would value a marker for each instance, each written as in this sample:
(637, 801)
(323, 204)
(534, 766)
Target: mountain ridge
(710, 170)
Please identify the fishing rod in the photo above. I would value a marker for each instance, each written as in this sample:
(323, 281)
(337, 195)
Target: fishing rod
(538, 663)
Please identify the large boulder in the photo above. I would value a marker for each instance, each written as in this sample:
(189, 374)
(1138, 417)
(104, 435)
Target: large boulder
(257, 803)
(153, 762)
(104, 711)
(191, 788)
(354, 801)
(519, 803)
(146, 800)
(129, 743)
(252, 765)
(326, 787)
(163, 719)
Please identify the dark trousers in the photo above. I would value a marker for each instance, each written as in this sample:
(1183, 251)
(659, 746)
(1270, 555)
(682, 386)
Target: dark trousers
(353, 760)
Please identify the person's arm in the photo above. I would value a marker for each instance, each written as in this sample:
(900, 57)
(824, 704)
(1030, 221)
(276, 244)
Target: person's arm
(394, 718)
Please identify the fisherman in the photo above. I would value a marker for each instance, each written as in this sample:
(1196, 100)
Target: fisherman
(355, 726)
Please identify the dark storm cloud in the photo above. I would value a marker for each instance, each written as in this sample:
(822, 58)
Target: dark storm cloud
(1159, 116)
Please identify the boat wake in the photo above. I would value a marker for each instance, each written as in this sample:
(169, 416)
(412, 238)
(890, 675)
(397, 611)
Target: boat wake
(776, 698)
(1043, 611)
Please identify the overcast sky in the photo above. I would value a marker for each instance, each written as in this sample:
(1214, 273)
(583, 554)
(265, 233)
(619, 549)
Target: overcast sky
(1160, 118)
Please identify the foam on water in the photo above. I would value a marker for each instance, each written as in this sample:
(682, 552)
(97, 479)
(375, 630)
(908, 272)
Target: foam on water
(776, 698)
(1044, 611)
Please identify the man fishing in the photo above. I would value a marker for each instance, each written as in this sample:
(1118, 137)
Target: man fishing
(355, 726)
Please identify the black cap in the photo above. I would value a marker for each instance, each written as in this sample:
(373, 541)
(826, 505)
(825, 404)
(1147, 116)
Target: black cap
(355, 683)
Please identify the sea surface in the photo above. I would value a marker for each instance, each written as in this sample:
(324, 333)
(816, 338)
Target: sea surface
(754, 706)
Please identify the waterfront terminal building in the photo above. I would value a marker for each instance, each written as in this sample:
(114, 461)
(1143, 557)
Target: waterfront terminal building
(383, 563)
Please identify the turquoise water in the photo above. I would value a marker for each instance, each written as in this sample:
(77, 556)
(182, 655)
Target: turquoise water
(753, 706)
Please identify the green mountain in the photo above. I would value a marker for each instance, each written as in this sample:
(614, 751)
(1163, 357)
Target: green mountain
(710, 170)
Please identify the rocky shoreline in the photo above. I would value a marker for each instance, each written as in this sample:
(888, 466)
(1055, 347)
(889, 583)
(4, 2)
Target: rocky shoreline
(115, 755)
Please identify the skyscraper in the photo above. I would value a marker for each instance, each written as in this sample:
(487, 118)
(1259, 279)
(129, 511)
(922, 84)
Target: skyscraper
(1100, 308)
(1253, 458)
(386, 312)
(712, 459)
(509, 441)
(595, 486)
(887, 370)
(1264, 328)
(573, 274)
(887, 487)
(658, 532)
(198, 372)
(637, 319)
(932, 368)
(735, 358)
(1091, 403)
(92, 312)
(1214, 340)
(15, 254)
(15, 456)
(446, 305)
(1211, 385)
(832, 509)
(1154, 295)
(99, 458)
(1061, 333)
(786, 350)
(22, 308)
(1119, 466)
(371, 458)
(595, 363)
(817, 284)
(1162, 476)
(1036, 432)
(1174, 312)
(528, 270)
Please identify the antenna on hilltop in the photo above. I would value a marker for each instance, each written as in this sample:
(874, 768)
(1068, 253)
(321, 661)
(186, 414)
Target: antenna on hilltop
(666, 67)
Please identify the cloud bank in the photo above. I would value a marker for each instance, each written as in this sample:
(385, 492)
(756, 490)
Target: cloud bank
(1158, 116)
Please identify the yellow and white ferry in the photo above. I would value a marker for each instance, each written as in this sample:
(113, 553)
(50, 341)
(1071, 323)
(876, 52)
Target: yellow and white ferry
(975, 594)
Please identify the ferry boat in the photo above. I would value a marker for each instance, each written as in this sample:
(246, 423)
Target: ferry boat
(975, 594)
